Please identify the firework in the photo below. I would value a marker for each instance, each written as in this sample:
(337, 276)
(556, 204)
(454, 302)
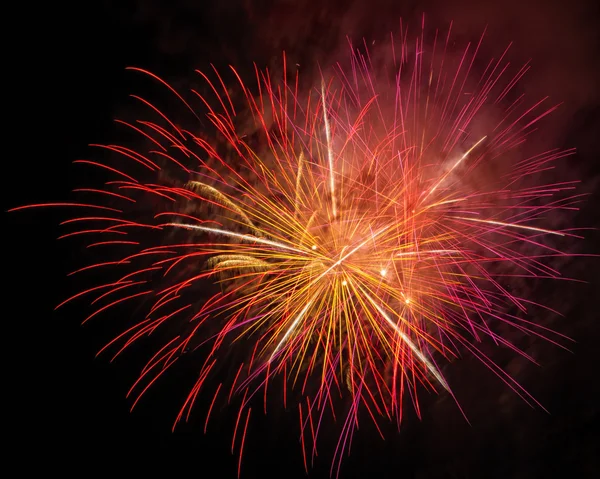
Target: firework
(345, 239)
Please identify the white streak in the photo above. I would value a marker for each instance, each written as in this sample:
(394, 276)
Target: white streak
(410, 344)
(241, 237)
(291, 329)
(430, 251)
(329, 151)
(510, 225)
(458, 162)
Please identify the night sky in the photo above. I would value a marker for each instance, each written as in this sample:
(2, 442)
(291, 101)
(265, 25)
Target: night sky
(69, 82)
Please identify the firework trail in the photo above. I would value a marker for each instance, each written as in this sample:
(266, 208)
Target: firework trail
(353, 238)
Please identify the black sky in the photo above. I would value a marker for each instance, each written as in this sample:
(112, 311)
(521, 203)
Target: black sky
(68, 80)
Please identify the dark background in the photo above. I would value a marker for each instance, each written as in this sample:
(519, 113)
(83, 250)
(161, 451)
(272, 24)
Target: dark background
(66, 70)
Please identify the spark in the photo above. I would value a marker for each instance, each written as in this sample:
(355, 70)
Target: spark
(458, 162)
(511, 225)
(329, 151)
(291, 328)
(241, 237)
(409, 342)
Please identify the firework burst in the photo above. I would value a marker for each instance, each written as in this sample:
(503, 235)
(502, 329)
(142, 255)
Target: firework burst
(350, 239)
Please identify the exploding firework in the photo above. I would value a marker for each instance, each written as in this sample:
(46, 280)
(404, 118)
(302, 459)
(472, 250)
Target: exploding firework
(344, 239)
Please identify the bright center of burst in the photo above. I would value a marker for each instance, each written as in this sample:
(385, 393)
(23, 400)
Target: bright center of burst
(314, 247)
(383, 272)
